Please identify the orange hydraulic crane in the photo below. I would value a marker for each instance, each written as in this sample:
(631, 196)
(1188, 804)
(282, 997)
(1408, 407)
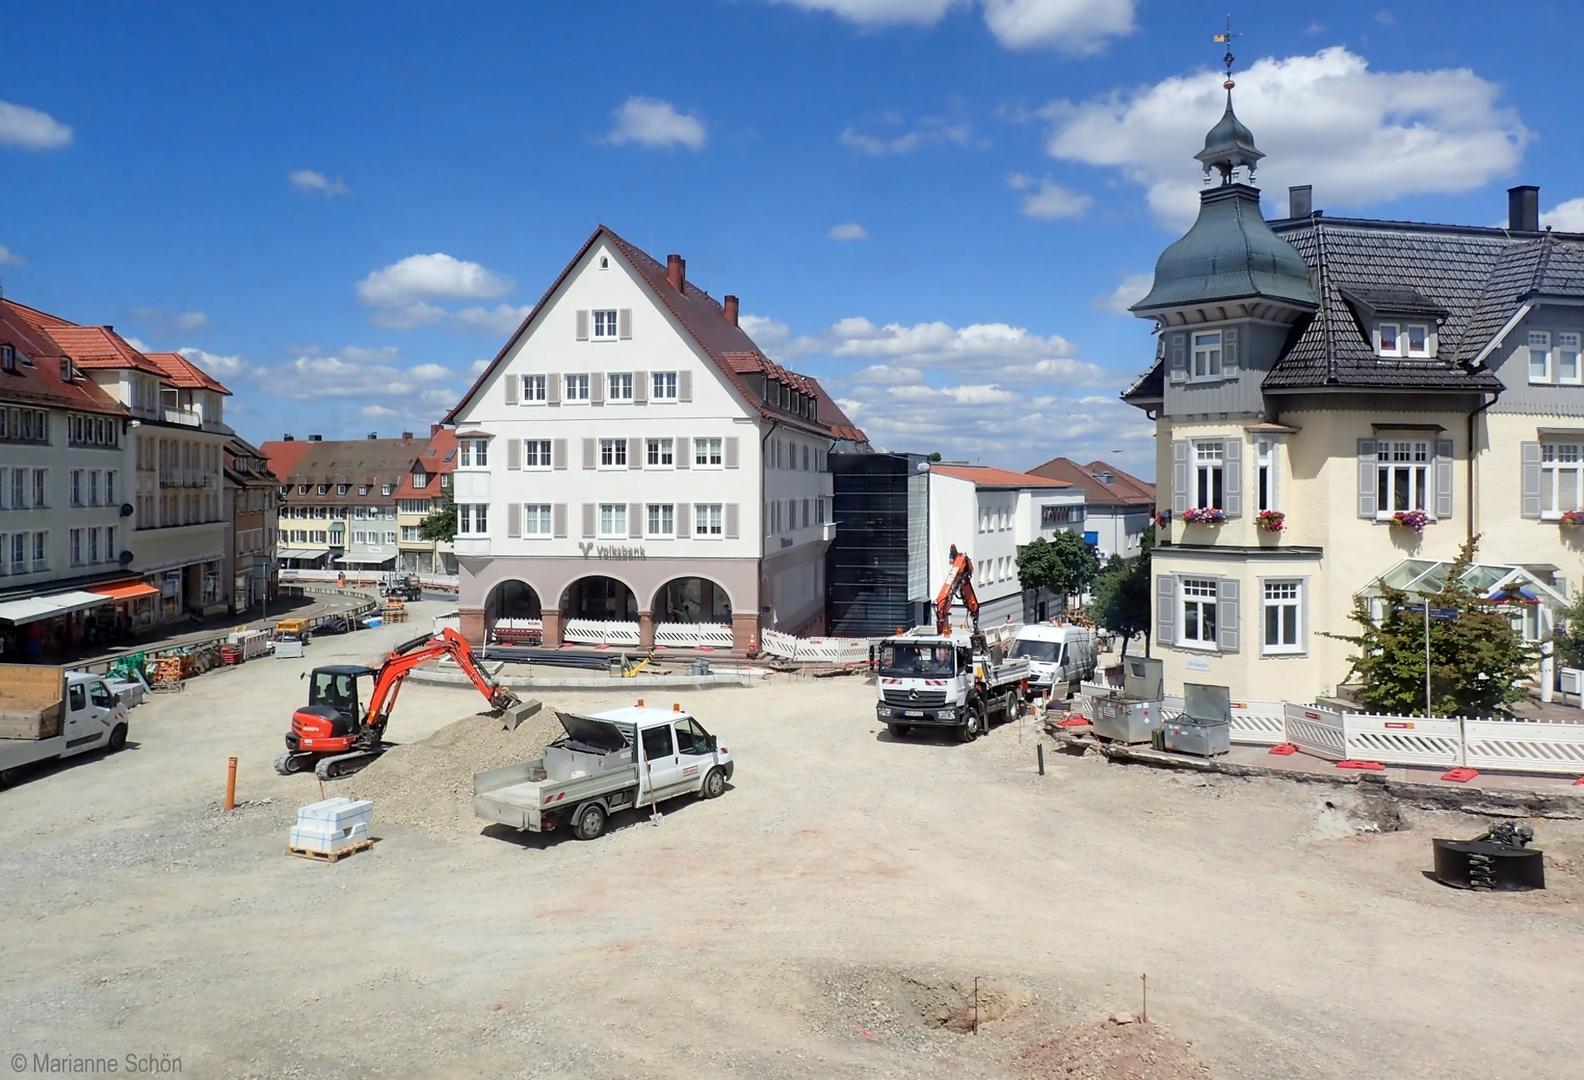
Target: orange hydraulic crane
(336, 737)
(959, 580)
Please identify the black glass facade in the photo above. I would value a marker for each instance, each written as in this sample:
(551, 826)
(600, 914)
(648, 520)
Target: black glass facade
(867, 564)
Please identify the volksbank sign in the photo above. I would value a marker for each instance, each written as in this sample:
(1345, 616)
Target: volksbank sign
(611, 551)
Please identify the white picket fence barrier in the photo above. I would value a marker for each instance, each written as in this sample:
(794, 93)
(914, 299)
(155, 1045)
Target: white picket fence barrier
(1524, 746)
(693, 635)
(600, 632)
(815, 650)
(1316, 731)
(441, 622)
(1259, 723)
(369, 577)
(254, 643)
(1403, 740)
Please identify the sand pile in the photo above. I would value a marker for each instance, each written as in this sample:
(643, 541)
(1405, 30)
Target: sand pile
(429, 784)
(1111, 1051)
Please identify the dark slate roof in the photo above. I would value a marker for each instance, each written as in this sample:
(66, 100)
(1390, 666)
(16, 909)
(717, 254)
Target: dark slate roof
(1150, 386)
(1445, 267)
(1545, 266)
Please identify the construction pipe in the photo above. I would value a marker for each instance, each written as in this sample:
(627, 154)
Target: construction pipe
(231, 785)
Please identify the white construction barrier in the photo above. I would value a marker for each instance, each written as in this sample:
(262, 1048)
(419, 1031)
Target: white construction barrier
(600, 632)
(1524, 746)
(1259, 723)
(1403, 740)
(693, 635)
(1316, 731)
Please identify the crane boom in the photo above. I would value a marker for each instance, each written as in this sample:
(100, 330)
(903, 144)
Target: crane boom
(959, 581)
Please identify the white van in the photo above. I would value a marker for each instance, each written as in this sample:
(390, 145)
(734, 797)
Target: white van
(1060, 654)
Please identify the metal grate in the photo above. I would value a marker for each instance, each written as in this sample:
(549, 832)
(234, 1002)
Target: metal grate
(926, 699)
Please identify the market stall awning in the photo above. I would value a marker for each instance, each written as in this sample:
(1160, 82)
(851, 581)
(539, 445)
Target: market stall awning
(301, 553)
(127, 590)
(34, 608)
(369, 561)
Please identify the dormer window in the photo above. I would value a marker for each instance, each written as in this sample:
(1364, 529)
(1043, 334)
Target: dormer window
(1418, 339)
(66, 369)
(1396, 339)
(7, 358)
(1207, 355)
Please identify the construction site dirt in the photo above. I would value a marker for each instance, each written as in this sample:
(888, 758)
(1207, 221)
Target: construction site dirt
(853, 906)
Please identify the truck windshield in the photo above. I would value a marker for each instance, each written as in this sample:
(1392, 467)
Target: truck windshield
(1044, 652)
(906, 659)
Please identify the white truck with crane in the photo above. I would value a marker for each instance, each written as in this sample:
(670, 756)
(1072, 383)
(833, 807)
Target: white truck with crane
(944, 678)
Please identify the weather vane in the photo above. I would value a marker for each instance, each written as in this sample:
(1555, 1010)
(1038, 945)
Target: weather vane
(1226, 39)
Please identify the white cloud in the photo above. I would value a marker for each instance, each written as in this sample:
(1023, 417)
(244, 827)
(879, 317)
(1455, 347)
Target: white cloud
(502, 320)
(371, 374)
(768, 334)
(1359, 136)
(190, 320)
(994, 350)
(477, 367)
(186, 321)
(1072, 26)
(1049, 200)
(10, 258)
(929, 131)
(407, 316)
(139, 344)
(221, 367)
(1132, 289)
(1565, 217)
(849, 231)
(317, 183)
(31, 129)
(432, 277)
(652, 122)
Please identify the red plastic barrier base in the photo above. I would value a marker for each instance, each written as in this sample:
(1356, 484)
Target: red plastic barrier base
(1284, 749)
(1367, 766)
(1460, 776)
(1579, 781)
(1073, 721)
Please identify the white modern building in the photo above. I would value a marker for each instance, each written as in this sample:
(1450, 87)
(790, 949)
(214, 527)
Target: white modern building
(1118, 507)
(632, 458)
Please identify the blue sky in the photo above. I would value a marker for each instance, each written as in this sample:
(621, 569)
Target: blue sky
(935, 206)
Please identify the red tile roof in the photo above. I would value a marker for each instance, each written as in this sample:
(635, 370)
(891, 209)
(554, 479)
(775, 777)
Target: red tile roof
(184, 373)
(284, 456)
(722, 340)
(39, 382)
(437, 459)
(1124, 489)
(986, 477)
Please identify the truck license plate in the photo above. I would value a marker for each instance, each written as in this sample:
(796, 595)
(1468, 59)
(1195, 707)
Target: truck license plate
(912, 712)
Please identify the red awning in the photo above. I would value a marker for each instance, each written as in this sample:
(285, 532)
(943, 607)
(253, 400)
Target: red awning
(125, 591)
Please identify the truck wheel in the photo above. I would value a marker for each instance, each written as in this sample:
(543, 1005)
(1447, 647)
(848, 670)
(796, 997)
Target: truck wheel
(898, 731)
(973, 726)
(10, 776)
(714, 785)
(118, 737)
(590, 823)
(1011, 706)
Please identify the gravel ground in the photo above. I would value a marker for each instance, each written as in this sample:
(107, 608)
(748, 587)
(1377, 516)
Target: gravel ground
(827, 917)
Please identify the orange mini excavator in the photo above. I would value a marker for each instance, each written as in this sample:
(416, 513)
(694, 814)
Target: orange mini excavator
(334, 736)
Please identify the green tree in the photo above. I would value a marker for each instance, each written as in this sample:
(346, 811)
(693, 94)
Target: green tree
(1478, 661)
(440, 524)
(1064, 564)
(1569, 635)
(935, 455)
(1121, 600)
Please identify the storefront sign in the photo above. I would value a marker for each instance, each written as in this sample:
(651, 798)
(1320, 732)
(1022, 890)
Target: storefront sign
(611, 551)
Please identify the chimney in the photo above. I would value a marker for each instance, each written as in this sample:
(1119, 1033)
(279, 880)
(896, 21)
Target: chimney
(1300, 201)
(434, 429)
(1523, 208)
(373, 435)
(731, 309)
(289, 437)
(676, 271)
(406, 436)
(316, 438)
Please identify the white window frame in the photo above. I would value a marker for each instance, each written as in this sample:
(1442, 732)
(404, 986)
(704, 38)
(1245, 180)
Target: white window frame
(471, 454)
(1396, 346)
(619, 386)
(534, 390)
(1407, 341)
(472, 519)
(1209, 474)
(1289, 595)
(1538, 346)
(1568, 342)
(660, 521)
(709, 452)
(1207, 359)
(1396, 454)
(709, 521)
(603, 324)
(659, 453)
(536, 522)
(612, 453)
(613, 521)
(1266, 496)
(662, 386)
(575, 389)
(1196, 599)
(536, 455)
(1558, 459)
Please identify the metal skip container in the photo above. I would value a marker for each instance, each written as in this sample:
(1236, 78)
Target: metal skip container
(1205, 727)
(1126, 721)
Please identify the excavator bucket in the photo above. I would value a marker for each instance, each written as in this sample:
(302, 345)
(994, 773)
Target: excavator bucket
(519, 712)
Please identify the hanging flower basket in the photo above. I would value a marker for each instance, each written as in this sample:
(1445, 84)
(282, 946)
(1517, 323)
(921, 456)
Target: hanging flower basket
(1162, 518)
(1411, 519)
(1571, 519)
(1273, 521)
(1204, 516)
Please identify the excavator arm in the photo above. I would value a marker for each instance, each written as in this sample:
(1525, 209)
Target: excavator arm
(959, 581)
(404, 658)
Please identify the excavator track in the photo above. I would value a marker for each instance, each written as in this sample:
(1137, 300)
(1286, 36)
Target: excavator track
(340, 765)
(293, 761)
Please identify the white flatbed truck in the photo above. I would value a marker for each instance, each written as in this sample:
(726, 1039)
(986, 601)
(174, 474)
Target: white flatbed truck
(49, 712)
(925, 679)
(611, 761)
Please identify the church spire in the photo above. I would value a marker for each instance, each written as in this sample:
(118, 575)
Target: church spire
(1230, 143)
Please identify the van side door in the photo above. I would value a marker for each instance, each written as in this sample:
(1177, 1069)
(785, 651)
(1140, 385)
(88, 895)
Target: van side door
(80, 728)
(662, 768)
(695, 752)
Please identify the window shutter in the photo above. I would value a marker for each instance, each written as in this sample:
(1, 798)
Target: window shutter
(511, 389)
(1444, 464)
(684, 386)
(590, 454)
(558, 520)
(558, 453)
(1232, 476)
(1366, 478)
(1229, 351)
(582, 326)
(1165, 609)
(731, 521)
(684, 524)
(1182, 479)
(684, 453)
(640, 388)
(514, 520)
(597, 388)
(1529, 455)
(1178, 354)
(635, 449)
(731, 452)
(552, 389)
(1227, 614)
(624, 323)
(588, 519)
(635, 522)
(514, 453)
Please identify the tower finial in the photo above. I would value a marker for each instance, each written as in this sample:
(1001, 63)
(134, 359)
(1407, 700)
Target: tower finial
(1226, 39)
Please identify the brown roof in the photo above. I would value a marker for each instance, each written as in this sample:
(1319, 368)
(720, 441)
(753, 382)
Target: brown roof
(39, 382)
(986, 477)
(346, 461)
(184, 373)
(284, 455)
(437, 459)
(722, 340)
(1123, 490)
(101, 347)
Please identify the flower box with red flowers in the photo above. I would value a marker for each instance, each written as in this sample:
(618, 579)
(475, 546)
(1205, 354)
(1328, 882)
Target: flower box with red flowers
(1271, 521)
(1204, 515)
(1571, 519)
(1411, 519)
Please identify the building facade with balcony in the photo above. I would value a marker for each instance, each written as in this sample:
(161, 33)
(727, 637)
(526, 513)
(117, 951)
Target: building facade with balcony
(426, 489)
(338, 504)
(631, 464)
(251, 510)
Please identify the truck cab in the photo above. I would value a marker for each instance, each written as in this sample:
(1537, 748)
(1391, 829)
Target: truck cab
(47, 713)
(952, 681)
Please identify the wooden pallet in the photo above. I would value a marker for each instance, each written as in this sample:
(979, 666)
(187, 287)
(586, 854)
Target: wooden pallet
(329, 856)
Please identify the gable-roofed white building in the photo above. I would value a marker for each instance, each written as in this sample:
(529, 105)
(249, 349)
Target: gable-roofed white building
(631, 459)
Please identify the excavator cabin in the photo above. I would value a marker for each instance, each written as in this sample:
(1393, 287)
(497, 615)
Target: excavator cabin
(333, 696)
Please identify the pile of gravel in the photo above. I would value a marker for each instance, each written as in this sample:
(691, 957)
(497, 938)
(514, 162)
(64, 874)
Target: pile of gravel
(1111, 1051)
(429, 784)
